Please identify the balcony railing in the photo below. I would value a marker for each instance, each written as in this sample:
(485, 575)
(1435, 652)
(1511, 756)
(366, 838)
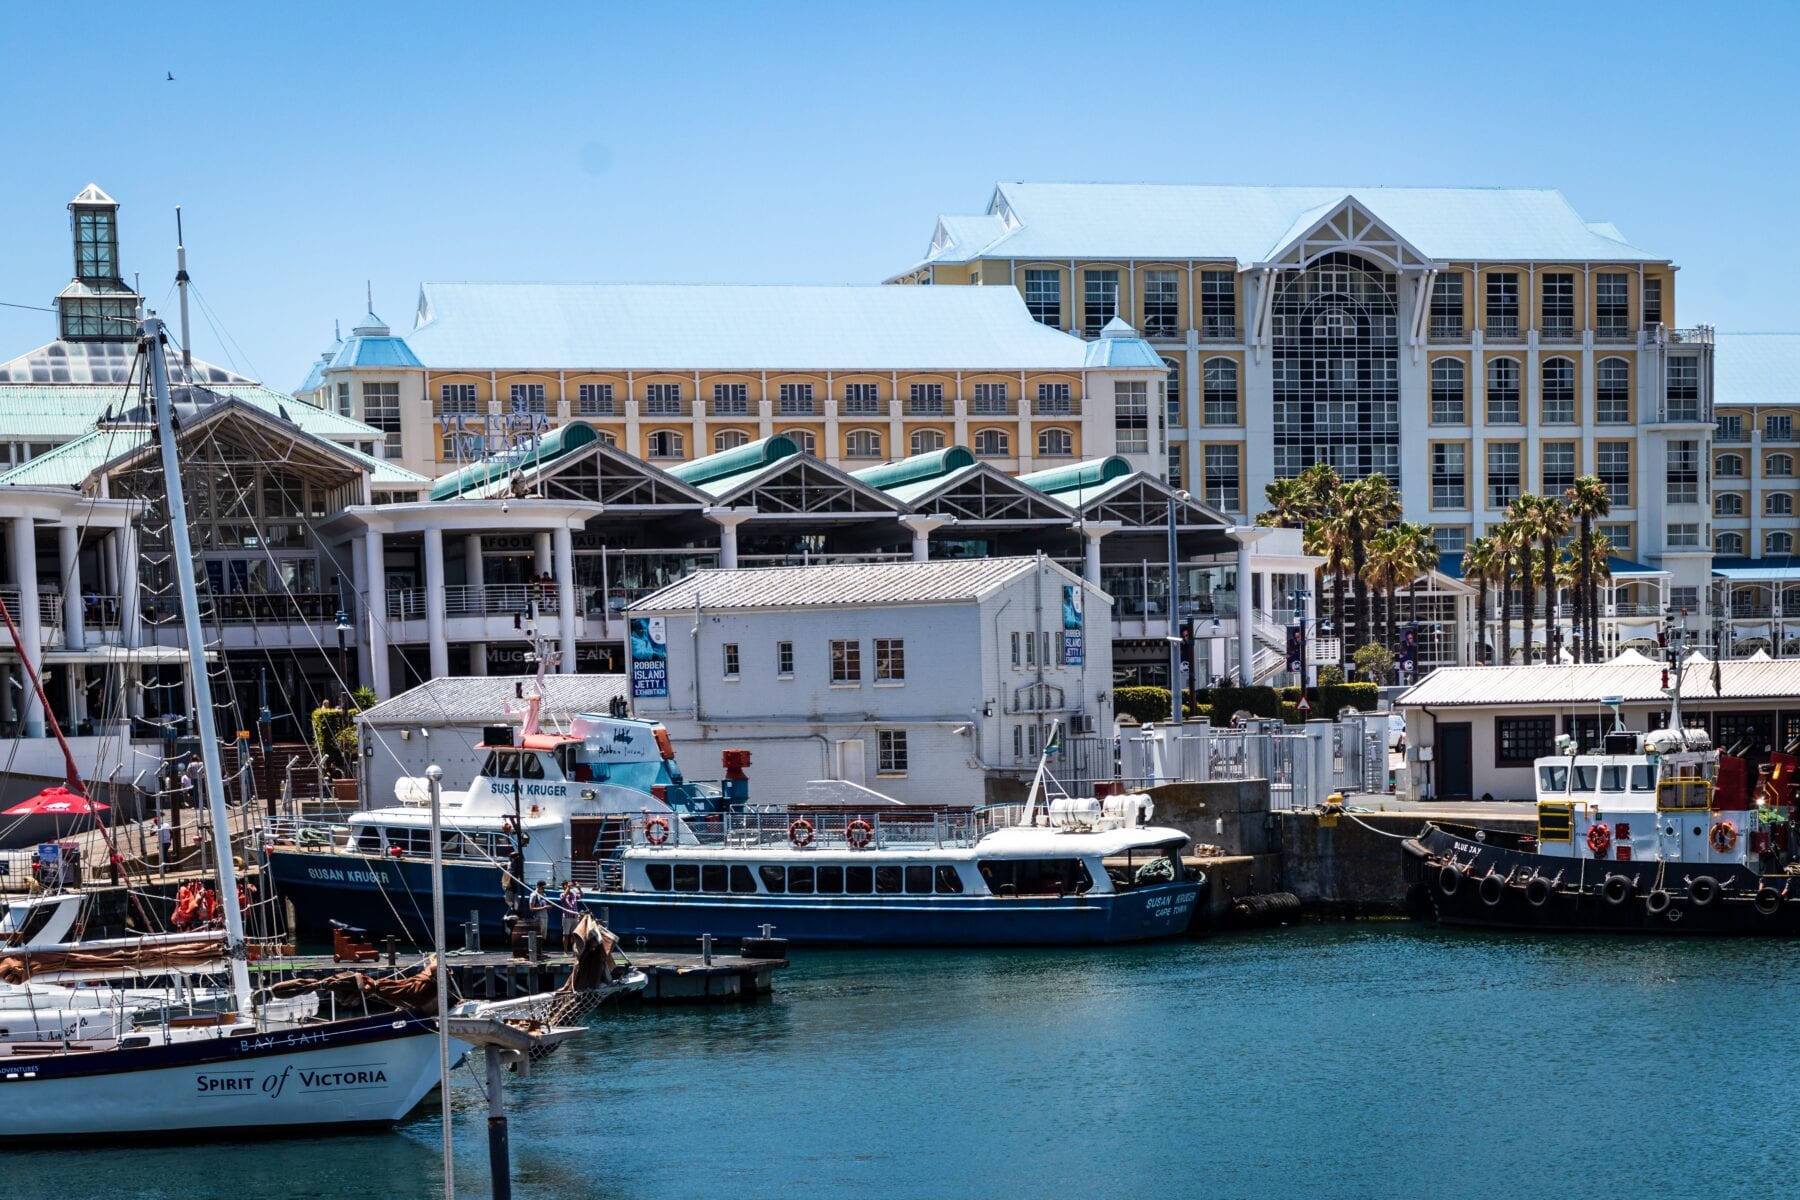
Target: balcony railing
(1447, 329)
(665, 408)
(1219, 329)
(1503, 327)
(464, 600)
(991, 408)
(1612, 329)
(1559, 329)
(276, 608)
(925, 408)
(1778, 435)
(1165, 323)
(1730, 437)
(864, 408)
(1056, 408)
(730, 408)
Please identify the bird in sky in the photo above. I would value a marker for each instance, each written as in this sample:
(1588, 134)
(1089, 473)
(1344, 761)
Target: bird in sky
(171, 77)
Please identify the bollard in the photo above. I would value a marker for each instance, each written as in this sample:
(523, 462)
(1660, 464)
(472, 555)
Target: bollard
(531, 944)
(499, 1152)
(474, 936)
(393, 951)
(706, 941)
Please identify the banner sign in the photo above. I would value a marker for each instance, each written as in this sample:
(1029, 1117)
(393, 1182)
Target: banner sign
(1296, 648)
(1074, 649)
(649, 658)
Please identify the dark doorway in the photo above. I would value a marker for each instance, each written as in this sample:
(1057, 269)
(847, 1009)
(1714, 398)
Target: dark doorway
(1455, 762)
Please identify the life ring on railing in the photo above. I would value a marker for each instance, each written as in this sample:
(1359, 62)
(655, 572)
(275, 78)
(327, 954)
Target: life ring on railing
(1599, 839)
(656, 831)
(800, 833)
(1723, 836)
(859, 833)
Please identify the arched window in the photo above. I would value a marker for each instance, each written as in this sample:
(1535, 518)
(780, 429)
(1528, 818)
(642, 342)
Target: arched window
(925, 441)
(1729, 466)
(1728, 504)
(1055, 443)
(1503, 392)
(1558, 399)
(667, 443)
(729, 439)
(1177, 402)
(1779, 466)
(1778, 504)
(992, 443)
(1779, 542)
(862, 443)
(1612, 392)
(1728, 543)
(608, 437)
(1447, 393)
(802, 438)
(1220, 375)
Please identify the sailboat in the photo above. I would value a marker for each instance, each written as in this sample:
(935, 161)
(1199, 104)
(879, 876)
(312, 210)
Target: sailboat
(254, 1070)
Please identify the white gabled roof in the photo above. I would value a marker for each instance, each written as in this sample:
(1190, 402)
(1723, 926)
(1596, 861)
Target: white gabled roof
(1756, 368)
(834, 586)
(485, 699)
(1552, 686)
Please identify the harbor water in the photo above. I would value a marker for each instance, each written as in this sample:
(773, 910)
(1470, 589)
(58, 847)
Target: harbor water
(1371, 1060)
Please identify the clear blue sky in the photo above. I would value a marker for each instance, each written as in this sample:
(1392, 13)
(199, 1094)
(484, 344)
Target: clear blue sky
(314, 146)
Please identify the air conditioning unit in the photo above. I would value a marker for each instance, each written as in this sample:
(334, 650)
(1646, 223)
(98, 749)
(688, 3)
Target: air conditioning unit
(1081, 723)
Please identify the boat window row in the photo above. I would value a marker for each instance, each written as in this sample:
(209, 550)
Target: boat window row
(1586, 777)
(374, 839)
(828, 880)
(1036, 876)
(513, 764)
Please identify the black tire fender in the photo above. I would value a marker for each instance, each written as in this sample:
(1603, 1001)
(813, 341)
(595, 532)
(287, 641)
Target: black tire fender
(1618, 889)
(1493, 889)
(1537, 891)
(1703, 890)
(1658, 901)
(1450, 878)
(1768, 901)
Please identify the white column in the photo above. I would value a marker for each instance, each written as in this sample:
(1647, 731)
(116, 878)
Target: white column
(475, 575)
(728, 519)
(359, 591)
(1246, 536)
(1093, 531)
(131, 603)
(922, 527)
(31, 626)
(68, 551)
(565, 596)
(540, 553)
(436, 648)
(375, 576)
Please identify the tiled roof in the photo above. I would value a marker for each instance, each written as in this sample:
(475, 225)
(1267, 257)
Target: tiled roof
(1756, 368)
(1551, 685)
(935, 582)
(1250, 224)
(484, 699)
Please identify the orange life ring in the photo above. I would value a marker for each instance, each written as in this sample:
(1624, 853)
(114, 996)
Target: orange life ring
(1723, 836)
(801, 833)
(656, 831)
(1599, 839)
(859, 833)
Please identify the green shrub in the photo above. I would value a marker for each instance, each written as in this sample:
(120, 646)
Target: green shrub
(1146, 705)
(1257, 701)
(363, 697)
(1330, 674)
(1290, 712)
(1374, 662)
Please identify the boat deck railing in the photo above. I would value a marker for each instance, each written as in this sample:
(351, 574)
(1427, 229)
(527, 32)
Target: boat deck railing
(827, 828)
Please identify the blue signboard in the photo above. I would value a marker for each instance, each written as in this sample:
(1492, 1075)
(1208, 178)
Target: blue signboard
(649, 658)
(1073, 649)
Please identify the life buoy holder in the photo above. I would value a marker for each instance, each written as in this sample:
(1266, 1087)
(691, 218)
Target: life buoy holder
(800, 833)
(656, 831)
(1723, 837)
(859, 833)
(1599, 839)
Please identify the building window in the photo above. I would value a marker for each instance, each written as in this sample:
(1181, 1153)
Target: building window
(1612, 392)
(1218, 304)
(1055, 443)
(925, 399)
(1131, 417)
(96, 246)
(862, 443)
(795, 399)
(803, 439)
(1778, 504)
(991, 399)
(1450, 539)
(1224, 488)
(1559, 468)
(458, 400)
(731, 660)
(1612, 461)
(1503, 392)
(1778, 427)
(891, 757)
(1778, 542)
(1054, 400)
(729, 439)
(1030, 648)
(1729, 429)
(1447, 307)
(462, 445)
(1449, 475)
(784, 658)
(1102, 301)
(1503, 304)
(1652, 302)
(1619, 536)
(343, 401)
(528, 398)
(1728, 504)
(1683, 535)
(594, 400)
(1776, 466)
(1559, 305)
(1172, 393)
(663, 400)
(890, 660)
(1502, 473)
(1729, 466)
(1043, 296)
(992, 443)
(381, 408)
(1684, 599)
(1162, 303)
(1683, 389)
(1220, 376)
(1016, 660)
(1612, 310)
(1176, 479)
(846, 662)
(926, 441)
(862, 399)
(1683, 476)
(1728, 543)
(1521, 741)
(731, 400)
(1447, 406)
(667, 443)
(1558, 400)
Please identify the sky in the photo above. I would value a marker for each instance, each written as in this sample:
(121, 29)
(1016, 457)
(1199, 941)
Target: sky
(315, 147)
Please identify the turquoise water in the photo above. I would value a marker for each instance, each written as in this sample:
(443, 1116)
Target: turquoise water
(1372, 1060)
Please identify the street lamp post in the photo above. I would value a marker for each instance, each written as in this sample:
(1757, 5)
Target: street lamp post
(1176, 687)
(343, 632)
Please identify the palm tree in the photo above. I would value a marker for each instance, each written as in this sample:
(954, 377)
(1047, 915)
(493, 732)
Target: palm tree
(1568, 577)
(1552, 525)
(1423, 559)
(1522, 515)
(1389, 560)
(1598, 568)
(1481, 562)
(1368, 506)
(1588, 500)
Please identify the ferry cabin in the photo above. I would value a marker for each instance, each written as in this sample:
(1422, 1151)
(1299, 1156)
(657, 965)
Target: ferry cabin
(1638, 806)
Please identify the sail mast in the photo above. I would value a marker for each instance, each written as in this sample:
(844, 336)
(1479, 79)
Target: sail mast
(151, 331)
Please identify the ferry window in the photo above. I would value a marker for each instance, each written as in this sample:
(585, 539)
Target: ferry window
(1612, 779)
(831, 881)
(368, 838)
(687, 877)
(742, 880)
(887, 880)
(1586, 777)
(712, 877)
(1553, 779)
(774, 879)
(659, 875)
(533, 766)
(918, 880)
(949, 883)
(567, 759)
(800, 881)
(1643, 778)
(859, 881)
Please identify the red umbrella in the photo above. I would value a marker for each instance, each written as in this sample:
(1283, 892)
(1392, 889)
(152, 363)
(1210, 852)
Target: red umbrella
(55, 801)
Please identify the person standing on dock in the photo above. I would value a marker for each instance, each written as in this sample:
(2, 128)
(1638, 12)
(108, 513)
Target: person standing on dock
(540, 912)
(569, 908)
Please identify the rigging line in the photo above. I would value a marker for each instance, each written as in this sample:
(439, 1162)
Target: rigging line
(226, 341)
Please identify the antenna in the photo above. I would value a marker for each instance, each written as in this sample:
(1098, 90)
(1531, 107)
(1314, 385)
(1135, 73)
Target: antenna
(369, 294)
(181, 283)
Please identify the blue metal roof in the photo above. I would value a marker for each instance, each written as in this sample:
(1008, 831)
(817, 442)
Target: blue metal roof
(1778, 567)
(1756, 368)
(1450, 563)
(361, 351)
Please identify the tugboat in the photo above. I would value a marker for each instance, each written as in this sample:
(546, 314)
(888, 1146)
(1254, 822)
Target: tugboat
(1655, 832)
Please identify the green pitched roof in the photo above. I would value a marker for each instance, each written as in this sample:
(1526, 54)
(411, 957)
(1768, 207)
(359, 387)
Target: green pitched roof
(933, 464)
(739, 460)
(1078, 476)
(550, 447)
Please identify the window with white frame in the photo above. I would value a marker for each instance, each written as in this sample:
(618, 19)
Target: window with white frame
(458, 400)
(1043, 295)
(1729, 466)
(1682, 384)
(784, 658)
(1055, 443)
(1503, 392)
(803, 439)
(992, 443)
(1219, 376)
(1447, 306)
(1683, 535)
(1612, 306)
(1558, 397)
(1559, 468)
(381, 408)
(1218, 304)
(1779, 542)
(862, 399)
(1652, 302)
(343, 401)
(1172, 393)
(528, 398)
(1450, 539)
(1131, 416)
(862, 443)
(1684, 599)
(926, 441)
(890, 660)
(846, 661)
(1503, 304)
(891, 752)
(1054, 400)
(1162, 303)
(1176, 479)
(1449, 475)
(1778, 427)
(663, 400)
(1728, 543)
(1017, 658)
(1447, 393)
(666, 443)
(1683, 475)
(795, 399)
(1224, 482)
(1729, 428)
(1620, 536)
(1612, 463)
(1776, 466)
(925, 399)
(991, 399)
(729, 439)
(1612, 392)
(731, 660)
(731, 400)
(1503, 483)
(594, 400)
(1728, 504)
(1778, 504)
(1559, 305)
(1101, 296)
